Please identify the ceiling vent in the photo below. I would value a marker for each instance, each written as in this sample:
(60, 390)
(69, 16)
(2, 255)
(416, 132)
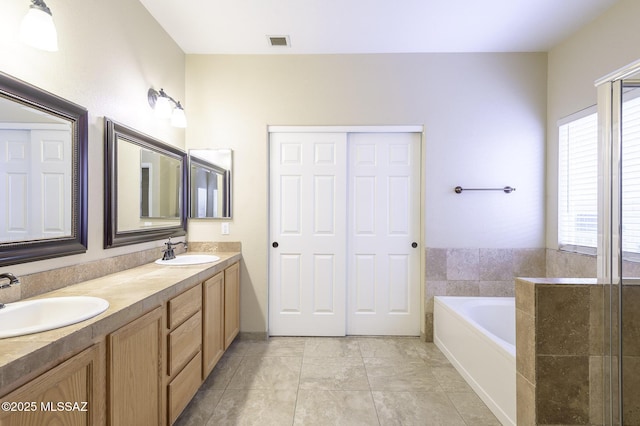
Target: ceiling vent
(279, 41)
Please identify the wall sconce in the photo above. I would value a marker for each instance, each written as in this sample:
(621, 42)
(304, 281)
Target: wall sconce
(166, 107)
(37, 28)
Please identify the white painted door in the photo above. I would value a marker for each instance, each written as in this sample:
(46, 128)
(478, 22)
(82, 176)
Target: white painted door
(35, 162)
(308, 228)
(384, 225)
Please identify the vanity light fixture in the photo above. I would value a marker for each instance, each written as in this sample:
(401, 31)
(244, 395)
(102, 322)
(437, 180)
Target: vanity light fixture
(166, 107)
(37, 28)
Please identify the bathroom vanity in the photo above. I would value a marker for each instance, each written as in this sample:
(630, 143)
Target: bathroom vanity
(139, 362)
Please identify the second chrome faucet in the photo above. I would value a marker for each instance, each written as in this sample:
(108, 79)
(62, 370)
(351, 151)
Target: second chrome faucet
(168, 252)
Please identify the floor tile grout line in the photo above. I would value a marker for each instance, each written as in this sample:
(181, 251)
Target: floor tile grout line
(295, 405)
(456, 408)
(226, 388)
(366, 373)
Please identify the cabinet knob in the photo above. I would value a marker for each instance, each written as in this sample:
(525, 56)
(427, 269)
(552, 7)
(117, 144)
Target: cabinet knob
(414, 244)
(275, 244)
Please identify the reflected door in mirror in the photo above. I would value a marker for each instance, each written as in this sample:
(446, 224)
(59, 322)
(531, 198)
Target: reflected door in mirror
(35, 174)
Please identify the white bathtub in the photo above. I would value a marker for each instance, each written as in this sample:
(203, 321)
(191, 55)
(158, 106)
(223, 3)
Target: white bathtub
(477, 334)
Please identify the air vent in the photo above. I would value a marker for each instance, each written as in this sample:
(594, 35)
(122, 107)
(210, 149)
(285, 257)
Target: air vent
(279, 41)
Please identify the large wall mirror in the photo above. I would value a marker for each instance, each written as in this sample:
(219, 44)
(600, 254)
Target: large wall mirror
(145, 187)
(210, 183)
(43, 174)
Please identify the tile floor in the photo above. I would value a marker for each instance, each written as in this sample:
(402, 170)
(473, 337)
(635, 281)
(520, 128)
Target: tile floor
(335, 381)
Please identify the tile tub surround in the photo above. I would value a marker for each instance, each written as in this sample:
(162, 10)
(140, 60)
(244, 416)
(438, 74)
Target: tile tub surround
(476, 272)
(130, 294)
(575, 265)
(559, 348)
(570, 265)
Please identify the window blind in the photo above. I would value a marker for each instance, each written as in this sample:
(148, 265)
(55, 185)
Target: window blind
(578, 174)
(578, 183)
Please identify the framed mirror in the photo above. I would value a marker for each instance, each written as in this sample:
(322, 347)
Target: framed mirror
(210, 183)
(43, 174)
(145, 187)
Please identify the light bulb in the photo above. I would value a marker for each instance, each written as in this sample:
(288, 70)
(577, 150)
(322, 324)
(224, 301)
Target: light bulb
(178, 118)
(163, 107)
(38, 30)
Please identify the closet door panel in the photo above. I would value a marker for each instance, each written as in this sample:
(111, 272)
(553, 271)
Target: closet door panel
(383, 210)
(307, 273)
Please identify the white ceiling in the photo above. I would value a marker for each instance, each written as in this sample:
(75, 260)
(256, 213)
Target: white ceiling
(371, 26)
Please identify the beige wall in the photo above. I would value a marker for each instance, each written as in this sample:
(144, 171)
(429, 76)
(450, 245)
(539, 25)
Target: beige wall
(111, 52)
(483, 116)
(605, 45)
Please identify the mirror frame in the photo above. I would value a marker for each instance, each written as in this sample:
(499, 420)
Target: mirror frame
(226, 208)
(39, 99)
(113, 237)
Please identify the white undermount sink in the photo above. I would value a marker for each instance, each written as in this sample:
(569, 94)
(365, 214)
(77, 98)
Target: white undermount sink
(34, 316)
(189, 259)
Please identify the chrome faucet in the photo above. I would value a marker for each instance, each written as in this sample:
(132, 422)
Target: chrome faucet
(13, 280)
(168, 252)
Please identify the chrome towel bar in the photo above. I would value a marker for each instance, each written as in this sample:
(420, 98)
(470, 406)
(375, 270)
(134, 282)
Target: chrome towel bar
(506, 189)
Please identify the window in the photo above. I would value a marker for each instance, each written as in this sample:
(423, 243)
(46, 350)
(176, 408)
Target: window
(578, 182)
(631, 175)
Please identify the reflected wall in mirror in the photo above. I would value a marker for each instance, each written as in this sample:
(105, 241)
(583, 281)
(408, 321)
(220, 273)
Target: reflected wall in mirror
(43, 174)
(210, 183)
(145, 187)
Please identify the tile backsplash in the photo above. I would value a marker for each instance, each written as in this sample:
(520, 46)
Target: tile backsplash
(46, 281)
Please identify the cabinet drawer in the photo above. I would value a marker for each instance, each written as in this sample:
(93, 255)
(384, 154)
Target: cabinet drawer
(183, 306)
(183, 387)
(184, 341)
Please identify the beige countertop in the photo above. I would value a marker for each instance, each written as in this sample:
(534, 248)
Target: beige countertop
(130, 294)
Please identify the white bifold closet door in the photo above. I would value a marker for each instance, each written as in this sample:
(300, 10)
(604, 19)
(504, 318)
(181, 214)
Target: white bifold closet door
(344, 217)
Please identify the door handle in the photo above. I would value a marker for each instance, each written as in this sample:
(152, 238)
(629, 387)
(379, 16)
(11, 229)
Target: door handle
(414, 244)
(274, 244)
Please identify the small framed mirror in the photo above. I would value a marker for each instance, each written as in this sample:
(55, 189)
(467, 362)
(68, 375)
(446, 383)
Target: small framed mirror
(145, 187)
(210, 183)
(43, 174)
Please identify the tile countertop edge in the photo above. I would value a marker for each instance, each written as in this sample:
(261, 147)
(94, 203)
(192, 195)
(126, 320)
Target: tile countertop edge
(559, 281)
(156, 284)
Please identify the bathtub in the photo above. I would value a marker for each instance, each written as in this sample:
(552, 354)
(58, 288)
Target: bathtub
(477, 334)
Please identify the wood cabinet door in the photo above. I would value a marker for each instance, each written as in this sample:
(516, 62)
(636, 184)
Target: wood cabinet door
(70, 394)
(231, 303)
(212, 322)
(134, 372)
